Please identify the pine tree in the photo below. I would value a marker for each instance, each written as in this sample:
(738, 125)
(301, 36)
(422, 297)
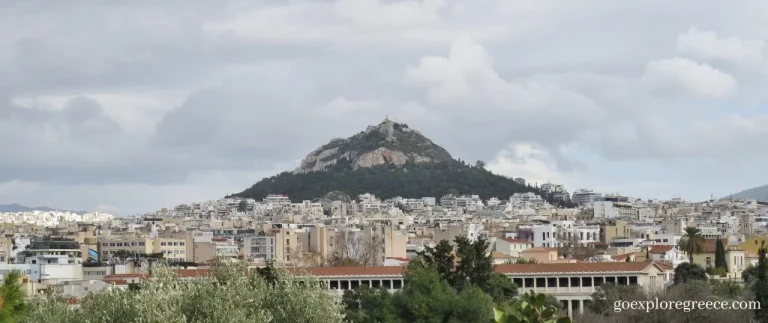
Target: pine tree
(760, 288)
(720, 255)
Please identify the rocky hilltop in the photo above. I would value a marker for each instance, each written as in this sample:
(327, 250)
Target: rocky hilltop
(388, 160)
(387, 143)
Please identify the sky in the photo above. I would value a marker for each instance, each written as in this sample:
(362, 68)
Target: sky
(131, 106)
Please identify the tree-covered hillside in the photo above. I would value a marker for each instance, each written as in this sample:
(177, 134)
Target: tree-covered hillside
(386, 181)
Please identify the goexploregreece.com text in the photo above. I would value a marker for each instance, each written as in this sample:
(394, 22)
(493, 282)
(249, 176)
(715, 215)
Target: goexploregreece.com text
(686, 306)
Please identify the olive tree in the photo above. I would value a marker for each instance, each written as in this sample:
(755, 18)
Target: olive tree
(229, 294)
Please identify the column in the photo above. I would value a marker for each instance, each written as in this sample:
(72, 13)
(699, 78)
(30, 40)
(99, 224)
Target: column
(570, 307)
(581, 306)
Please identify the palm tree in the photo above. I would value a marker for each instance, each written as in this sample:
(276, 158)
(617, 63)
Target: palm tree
(12, 303)
(692, 242)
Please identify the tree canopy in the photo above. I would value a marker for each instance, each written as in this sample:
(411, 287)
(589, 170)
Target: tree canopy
(228, 295)
(388, 181)
(692, 242)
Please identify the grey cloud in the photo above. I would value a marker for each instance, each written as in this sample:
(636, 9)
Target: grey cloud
(261, 94)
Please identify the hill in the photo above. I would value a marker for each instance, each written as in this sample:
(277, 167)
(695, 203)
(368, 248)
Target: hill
(759, 193)
(387, 160)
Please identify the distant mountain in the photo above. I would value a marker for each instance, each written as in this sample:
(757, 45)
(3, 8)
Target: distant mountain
(387, 160)
(15, 207)
(758, 193)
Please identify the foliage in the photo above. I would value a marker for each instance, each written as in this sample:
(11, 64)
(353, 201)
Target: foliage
(227, 295)
(717, 271)
(426, 297)
(571, 248)
(242, 206)
(531, 307)
(12, 302)
(354, 250)
(727, 289)
(686, 272)
(367, 304)
(606, 295)
(522, 261)
(760, 287)
(750, 274)
(501, 288)
(720, 255)
(437, 288)
(692, 291)
(692, 242)
(475, 262)
(388, 181)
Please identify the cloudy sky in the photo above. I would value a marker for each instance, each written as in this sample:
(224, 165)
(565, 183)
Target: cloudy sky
(129, 106)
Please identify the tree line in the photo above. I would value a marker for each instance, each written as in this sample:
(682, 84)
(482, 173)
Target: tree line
(435, 179)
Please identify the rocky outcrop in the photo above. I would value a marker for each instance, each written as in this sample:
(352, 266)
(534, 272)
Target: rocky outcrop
(387, 143)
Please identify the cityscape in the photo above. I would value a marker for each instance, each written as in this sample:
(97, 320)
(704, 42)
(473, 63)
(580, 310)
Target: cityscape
(383, 161)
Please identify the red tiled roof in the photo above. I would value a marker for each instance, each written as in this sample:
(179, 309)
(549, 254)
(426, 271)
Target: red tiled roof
(661, 249)
(71, 300)
(497, 254)
(123, 276)
(510, 240)
(622, 257)
(665, 265)
(582, 267)
(539, 249)
(120, 282)
(192, 273)
(351, 271)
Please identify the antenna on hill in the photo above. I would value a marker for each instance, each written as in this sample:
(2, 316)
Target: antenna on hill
(386, 117)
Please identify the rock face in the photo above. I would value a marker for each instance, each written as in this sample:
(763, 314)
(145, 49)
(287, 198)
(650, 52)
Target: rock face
(387, 143)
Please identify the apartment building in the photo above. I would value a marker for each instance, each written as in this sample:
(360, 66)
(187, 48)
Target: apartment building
(278, 244)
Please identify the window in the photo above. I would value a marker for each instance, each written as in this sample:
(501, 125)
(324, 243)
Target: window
(141, 244)
(709, 261)
(181, 244)
(162, 243)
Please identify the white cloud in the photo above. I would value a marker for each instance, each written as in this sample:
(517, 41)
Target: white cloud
(528, 161)
(684, 74)
(707, 45)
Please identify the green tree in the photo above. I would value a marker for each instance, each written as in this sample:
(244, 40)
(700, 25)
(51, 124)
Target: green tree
(501, 288)
(760, 287)
(12, 303)
(475, 262)
(441, 257)
(749, 275)
(367, 304)
(269, 272)
(728, 289)
(530, 308)
(606, 295)
(720, 260)
(229, 294)
(242, 206)
(425, 297)
(686, 272)
(692, 242)
(472, 305)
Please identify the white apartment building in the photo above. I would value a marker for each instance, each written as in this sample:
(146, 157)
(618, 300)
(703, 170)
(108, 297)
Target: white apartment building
(49, 267)
(545, 236)
(585, 196)
(276, 199)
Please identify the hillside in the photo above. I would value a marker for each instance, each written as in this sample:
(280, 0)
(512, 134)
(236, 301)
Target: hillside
(387, 160)
(759, 193)
(387, 143)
